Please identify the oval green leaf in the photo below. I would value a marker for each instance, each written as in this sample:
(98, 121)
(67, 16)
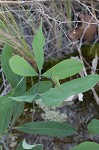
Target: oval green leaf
(6, 103)
(55, 96)
(93, 126)
(38, 44)
(42, 87)
(64, 69)
(5, 120)
(18, 110)
(6, 54)
(21, 67)
(86, 146)
(48, 128)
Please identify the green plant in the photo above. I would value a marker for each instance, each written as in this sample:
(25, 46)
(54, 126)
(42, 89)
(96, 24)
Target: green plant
(93, 127)
(51, 91)
(87, 145)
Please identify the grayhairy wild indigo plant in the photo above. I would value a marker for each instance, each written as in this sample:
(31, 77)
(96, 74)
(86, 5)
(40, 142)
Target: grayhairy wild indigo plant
(48, 88)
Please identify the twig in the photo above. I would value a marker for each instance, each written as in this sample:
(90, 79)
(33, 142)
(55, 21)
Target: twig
(95, 96)
(21, 2)
(81, 58)
(88, 10)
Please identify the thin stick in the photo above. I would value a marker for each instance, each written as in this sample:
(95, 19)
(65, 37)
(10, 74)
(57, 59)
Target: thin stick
(21, 2)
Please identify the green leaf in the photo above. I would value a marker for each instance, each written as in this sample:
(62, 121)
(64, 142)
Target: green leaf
(47, 128)
(23, 98)
(55, 96)
(38, 44)
(93, 126)
(18, 110)
(21, 67)
(43, 87)
(20, 89)
(17, 83)
(6, 102)
(5, 119)
(10, 75)
(37, 147)
(64, 69)
(30, 95)
(87, 146)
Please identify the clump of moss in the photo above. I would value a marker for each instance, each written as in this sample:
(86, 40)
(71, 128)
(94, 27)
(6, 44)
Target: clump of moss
(51, 114)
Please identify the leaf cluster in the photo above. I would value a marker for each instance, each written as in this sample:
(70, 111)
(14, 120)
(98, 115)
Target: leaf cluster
(52, 93)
